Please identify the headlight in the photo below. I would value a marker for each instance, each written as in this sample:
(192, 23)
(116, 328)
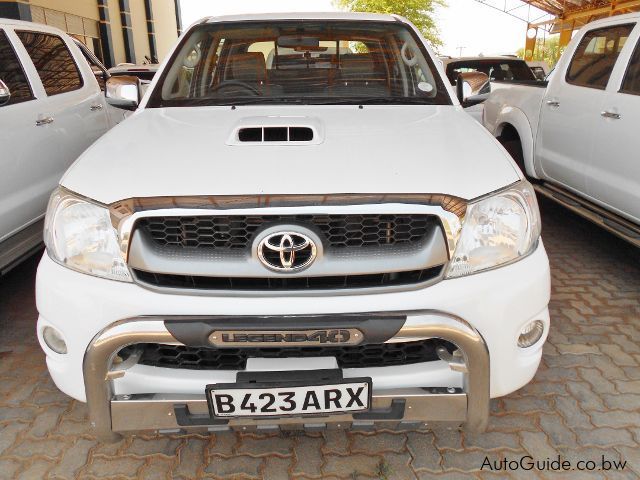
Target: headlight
(79, 235)
(497, 230)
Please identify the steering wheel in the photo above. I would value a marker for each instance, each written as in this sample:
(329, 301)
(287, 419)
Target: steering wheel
(236, 84)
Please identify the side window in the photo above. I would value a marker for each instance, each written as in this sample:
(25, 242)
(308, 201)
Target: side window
(631, 82)
(516, 70)
(12, 74)
(596, 55)
(53, 61)
(96, 67)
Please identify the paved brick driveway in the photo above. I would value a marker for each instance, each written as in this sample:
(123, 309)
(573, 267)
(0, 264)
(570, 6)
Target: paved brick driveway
(584, 402)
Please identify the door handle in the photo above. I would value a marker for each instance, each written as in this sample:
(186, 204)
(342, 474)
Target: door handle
(44, 121)
(613, 115)
(553, 103)
(97, 106)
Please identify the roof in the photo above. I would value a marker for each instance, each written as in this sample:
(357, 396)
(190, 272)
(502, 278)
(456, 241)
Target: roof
(304, 16)
(595, 20)
(573, 14)
(617, 18)
(564, 7)
(11, 21)
(31, 25)
(562, 15)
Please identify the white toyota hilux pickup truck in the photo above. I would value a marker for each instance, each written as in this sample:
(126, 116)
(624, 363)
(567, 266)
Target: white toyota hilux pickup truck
(299, 227)
(577, 134)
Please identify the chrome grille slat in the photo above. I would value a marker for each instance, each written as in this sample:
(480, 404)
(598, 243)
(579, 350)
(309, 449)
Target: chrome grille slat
(204, 283)
(236, 232)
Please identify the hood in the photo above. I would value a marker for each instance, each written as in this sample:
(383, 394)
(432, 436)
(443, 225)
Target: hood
(376, 149)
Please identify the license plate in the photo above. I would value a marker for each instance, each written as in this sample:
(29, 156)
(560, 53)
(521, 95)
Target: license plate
(353, 395)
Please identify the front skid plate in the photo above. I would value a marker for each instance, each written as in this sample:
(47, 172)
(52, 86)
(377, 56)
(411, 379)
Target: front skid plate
(158, 411)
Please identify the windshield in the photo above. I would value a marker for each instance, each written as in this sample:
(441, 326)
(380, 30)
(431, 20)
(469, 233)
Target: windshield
(310, 62)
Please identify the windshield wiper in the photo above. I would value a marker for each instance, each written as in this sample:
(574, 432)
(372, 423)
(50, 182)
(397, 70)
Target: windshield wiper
(226, 102)
(398, 101)
(371, 101)
(256, 101)
(265, 100)
(234, 102)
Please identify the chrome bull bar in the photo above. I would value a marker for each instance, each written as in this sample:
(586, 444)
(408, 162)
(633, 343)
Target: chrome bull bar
(110, 413)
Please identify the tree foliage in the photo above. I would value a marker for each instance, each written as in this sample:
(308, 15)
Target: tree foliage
(547, 49)
(419, 12)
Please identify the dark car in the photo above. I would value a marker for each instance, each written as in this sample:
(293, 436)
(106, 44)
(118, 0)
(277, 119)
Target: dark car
(496, 68)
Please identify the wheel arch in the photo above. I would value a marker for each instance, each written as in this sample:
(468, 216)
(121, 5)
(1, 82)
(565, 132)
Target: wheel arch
(513, 122)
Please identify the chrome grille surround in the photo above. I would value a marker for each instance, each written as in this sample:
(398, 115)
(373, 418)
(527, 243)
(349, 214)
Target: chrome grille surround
(125, 213)
(432, 250)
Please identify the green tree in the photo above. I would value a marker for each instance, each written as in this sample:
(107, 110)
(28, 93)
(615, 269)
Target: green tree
(547, 49)
(419, 12)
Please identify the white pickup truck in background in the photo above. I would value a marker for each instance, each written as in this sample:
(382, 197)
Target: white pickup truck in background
(578, 133)
(52, 107)
(500, 71)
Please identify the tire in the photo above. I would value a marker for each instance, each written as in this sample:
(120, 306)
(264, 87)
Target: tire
(514, 147)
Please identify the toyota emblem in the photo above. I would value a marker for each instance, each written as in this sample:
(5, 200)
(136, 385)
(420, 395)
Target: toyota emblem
(287, 251)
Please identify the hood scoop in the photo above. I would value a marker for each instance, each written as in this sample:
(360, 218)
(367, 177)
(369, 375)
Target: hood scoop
(275, 134)
(276, 131)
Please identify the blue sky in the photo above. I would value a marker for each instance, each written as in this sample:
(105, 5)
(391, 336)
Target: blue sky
(464, 23)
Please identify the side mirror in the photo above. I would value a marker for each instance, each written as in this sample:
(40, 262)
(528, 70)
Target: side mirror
(5, 93)
(144, 86)
(101, 77)
(123, 92)
(472, 88)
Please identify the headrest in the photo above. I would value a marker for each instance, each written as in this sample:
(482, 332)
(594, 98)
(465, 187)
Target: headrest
(247, 67)
(356, 65)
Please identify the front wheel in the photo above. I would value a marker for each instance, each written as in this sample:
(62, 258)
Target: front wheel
(514, 147)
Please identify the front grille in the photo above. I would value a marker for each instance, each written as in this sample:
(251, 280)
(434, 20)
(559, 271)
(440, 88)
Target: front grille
(236, 232)
(287, 283)
(362, 356)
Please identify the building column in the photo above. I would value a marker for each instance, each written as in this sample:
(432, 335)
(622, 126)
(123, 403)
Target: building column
(105, 34)
(178, 16)
(153, 49)
(565, 36)
(530, 42)
(127, 31)
(17, 10)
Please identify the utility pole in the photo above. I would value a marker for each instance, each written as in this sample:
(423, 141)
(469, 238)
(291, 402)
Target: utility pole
(460, 49)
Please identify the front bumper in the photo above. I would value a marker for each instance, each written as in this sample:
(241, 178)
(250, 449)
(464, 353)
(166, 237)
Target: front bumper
(109, 412)
(482, 314)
